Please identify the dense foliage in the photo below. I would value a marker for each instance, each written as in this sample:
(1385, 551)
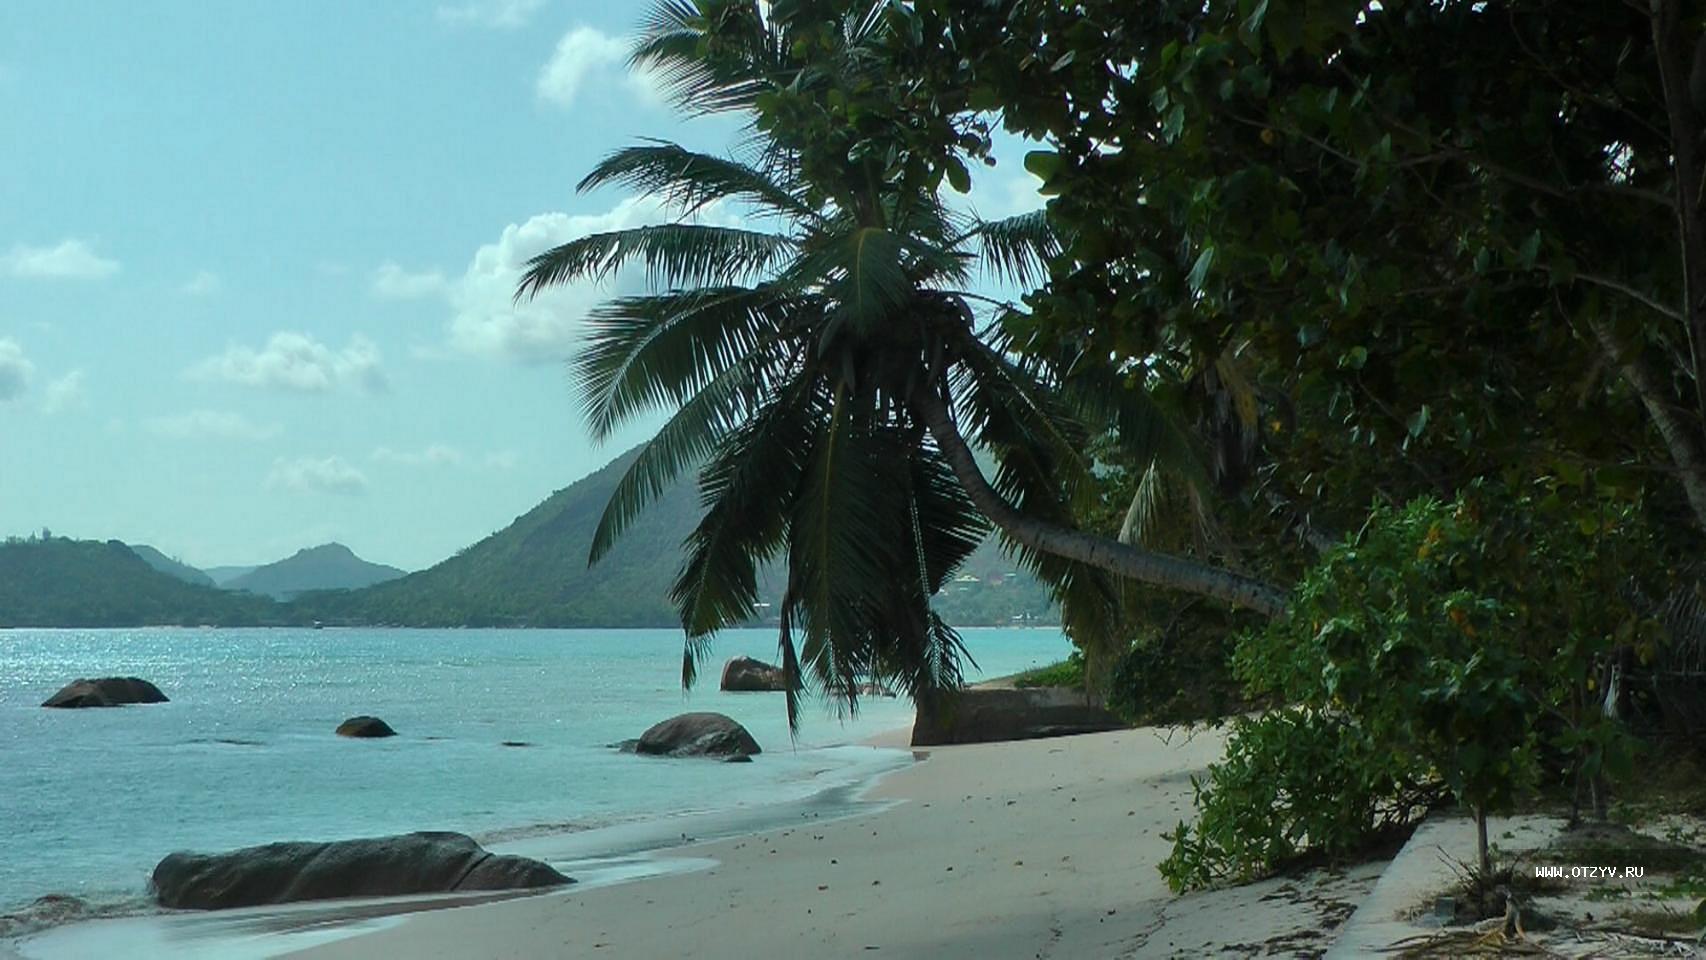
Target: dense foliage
(1451, 649)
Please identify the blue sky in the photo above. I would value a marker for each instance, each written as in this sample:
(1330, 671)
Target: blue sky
(256, 264)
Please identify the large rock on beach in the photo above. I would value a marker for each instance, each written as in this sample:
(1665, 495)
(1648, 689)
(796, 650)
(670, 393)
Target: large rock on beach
(985, 715)
(698, 735)
(746, 675)
(106, 692)
(410, 863)
(365, 728)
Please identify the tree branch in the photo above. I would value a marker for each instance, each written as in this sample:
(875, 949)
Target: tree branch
(1630, 292)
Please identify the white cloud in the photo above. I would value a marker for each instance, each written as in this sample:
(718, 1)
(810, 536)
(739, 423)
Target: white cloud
(436, 454)
(211, 424)
(68, 260)
(588, 60)
(499, 14)
(392, 282)
(16, 370)
(502, 460)
(297, 361)
(995, 197)
(488, 320)
(316, 475)
(581, 53)
(63, 393)
(204, 284)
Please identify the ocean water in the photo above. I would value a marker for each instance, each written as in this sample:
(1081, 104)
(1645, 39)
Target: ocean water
(90, 800)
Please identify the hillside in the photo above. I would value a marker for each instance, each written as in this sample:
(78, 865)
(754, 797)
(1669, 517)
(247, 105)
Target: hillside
(531, 573)
(86, 583)
(170, 567)
(224, 575)
(330, 566)
(534, 573)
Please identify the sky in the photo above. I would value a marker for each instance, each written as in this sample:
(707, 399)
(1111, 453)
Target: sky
(256, 265)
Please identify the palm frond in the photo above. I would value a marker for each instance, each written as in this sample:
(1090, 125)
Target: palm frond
(1016, 250)
(675, 255)
(643, 353)
(686, 440)
(675, 44)
(745, 487)
(1145, 428)
(1144, 512)
(689, 180)
(1009, 407)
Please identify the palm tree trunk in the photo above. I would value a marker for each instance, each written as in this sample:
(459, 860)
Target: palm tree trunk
(1681, 438)
(1104, 553)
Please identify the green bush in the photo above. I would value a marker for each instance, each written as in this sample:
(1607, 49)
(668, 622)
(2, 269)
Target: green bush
(1174, 678)
(1065, 673)
(1448, 646)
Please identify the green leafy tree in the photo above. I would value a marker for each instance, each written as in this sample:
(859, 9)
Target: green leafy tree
(1450, 238)
(1449, 645)
(832, 372)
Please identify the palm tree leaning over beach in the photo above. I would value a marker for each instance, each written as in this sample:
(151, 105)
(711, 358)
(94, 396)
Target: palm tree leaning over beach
(829, 368)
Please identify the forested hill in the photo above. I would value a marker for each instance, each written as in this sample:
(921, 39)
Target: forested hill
(169, 566)
(330, 566)
(55, 582)
(534, 573)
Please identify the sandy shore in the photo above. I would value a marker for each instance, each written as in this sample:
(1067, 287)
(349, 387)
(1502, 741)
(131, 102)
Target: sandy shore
(1037, 849)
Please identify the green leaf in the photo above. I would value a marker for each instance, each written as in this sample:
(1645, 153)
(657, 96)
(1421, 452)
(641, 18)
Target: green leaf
(1530, 250)
(1251, 13)
(984, 99)
(1043, 164)
(1285, 27)
(958, 176)
(1200, 269)
(1418, 421)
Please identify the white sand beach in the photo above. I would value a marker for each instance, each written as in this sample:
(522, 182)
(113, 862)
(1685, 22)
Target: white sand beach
(1044, 848)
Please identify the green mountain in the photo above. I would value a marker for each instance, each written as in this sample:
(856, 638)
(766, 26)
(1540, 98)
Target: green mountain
(223, 575)
(57, 582)
(170, 567)
(534, 573)
(330, 566)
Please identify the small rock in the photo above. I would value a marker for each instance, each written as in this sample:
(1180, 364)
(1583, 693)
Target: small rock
(365, 728)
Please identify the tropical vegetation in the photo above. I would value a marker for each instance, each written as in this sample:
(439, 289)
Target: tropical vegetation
(1358, 359)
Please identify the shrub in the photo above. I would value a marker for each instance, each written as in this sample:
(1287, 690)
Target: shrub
(1065, 673)
(1449, 645)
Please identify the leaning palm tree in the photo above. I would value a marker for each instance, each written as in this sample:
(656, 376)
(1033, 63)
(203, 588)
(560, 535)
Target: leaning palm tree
(829, 367)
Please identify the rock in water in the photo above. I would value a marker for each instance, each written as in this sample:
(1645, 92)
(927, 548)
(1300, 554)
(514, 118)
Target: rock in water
(698, 735)
(410, 863)
(365, 727)
(746, 675)
(106, 692)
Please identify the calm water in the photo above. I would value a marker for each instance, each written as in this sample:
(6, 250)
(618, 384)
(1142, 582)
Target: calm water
(90, 800)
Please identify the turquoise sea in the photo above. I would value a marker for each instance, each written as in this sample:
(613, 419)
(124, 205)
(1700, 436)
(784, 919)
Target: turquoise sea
(90, 800)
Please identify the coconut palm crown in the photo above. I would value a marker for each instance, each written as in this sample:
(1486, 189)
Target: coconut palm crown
(827, 362)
